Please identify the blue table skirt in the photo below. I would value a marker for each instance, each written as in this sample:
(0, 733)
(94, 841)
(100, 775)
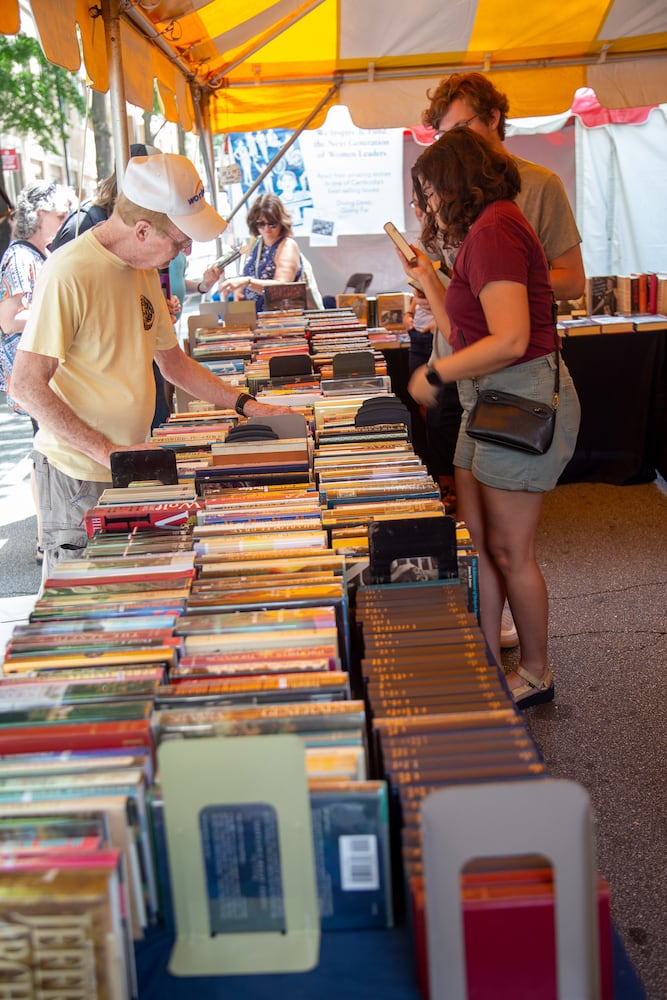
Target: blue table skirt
(354, 965)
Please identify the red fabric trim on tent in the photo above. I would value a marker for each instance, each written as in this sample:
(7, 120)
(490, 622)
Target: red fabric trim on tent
(591, 112)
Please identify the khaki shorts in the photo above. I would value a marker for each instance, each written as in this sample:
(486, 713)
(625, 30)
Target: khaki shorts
(63, 502)
(505, 468)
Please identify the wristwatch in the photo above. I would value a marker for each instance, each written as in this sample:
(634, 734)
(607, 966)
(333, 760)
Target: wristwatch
(432, 376)
(241, 401)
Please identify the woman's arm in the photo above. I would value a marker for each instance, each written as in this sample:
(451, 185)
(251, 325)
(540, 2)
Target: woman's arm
(505, 306)
(205, 283)
(287, 262)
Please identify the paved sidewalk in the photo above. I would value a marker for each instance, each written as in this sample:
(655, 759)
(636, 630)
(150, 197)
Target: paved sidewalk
(20, 574)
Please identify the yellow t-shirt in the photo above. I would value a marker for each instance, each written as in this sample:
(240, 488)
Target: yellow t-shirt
(103, 320)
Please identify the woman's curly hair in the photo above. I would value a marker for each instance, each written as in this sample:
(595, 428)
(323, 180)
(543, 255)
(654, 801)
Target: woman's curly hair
(45, 196)
(466, 174)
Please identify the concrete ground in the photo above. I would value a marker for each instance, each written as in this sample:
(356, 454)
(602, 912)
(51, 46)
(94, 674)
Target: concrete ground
(603, 552)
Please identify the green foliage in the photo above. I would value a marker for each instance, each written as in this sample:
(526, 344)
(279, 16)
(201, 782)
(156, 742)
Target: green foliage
(35, 94)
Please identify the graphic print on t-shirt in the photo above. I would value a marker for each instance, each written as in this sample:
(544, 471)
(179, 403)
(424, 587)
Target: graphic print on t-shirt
(148, 312)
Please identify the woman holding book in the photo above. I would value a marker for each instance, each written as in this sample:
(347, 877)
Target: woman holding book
(497, 316)
(274, 258)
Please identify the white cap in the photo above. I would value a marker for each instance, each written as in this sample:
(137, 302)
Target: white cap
(169, 183)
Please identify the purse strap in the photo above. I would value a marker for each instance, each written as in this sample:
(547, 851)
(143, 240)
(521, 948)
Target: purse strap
(554, 316)
(554, 313)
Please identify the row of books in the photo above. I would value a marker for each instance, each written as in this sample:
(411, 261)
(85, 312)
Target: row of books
(440, 714)
(161, 634)
(631, 303)
(385, 310)
(296, 354)
(590, 325)
(626, 294)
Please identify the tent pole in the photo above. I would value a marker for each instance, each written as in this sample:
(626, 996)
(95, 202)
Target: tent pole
(111, 17)
(201, 103)
(281, 152)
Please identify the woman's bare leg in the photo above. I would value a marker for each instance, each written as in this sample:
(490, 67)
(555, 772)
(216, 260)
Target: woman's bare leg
(512, 518)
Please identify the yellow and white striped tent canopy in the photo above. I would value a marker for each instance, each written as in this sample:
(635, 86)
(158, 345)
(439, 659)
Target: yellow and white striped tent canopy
(267, 63)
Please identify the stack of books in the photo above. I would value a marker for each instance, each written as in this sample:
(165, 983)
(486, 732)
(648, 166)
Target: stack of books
(440, 714)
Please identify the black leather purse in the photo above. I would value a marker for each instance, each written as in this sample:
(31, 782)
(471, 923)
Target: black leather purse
(514, 421)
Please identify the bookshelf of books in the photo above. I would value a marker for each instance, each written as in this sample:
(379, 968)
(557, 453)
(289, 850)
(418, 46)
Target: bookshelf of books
(301, 578)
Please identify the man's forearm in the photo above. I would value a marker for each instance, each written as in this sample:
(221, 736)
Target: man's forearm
(197, 380)
(567, 275)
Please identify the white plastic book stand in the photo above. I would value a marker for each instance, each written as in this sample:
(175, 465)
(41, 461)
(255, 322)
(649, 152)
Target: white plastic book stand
(549, 817)
(239, 833)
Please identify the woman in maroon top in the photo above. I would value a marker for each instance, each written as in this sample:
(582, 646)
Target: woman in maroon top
(497, 315)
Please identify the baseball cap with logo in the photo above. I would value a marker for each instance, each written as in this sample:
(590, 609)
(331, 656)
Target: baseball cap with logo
(170, 184)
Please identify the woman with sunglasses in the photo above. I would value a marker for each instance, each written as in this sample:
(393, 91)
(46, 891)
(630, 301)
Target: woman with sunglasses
(275, 257)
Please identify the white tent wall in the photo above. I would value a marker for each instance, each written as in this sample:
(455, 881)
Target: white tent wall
(622, 195)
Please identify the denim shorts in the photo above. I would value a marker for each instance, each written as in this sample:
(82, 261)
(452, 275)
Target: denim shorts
(505, 468)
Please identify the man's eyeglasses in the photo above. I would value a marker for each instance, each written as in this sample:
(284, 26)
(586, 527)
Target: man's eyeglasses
(267, 225)
(182, 245)
(466, 122)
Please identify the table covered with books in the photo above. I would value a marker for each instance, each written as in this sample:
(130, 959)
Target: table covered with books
(220, 725)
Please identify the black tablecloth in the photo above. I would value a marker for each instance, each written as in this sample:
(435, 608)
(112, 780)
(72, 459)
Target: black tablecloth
(621, 380)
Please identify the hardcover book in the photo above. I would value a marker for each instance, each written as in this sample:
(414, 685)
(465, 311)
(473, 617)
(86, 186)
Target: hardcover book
(391, 308)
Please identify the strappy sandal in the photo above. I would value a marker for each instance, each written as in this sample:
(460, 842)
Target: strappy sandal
(534, 691)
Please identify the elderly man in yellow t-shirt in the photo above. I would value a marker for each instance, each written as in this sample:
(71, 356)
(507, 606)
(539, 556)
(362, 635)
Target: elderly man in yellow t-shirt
(98, 319)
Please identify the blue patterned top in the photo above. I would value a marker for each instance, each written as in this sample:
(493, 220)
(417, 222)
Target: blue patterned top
(264, 268)
(18, 271)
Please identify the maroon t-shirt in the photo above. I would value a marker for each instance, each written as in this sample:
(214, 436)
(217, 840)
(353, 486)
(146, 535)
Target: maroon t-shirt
(501, 245)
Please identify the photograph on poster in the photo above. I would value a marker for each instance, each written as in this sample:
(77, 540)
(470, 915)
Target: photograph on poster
(288, 179)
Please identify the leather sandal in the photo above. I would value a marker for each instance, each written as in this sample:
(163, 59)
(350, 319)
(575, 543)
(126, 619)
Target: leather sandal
(535, 691)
